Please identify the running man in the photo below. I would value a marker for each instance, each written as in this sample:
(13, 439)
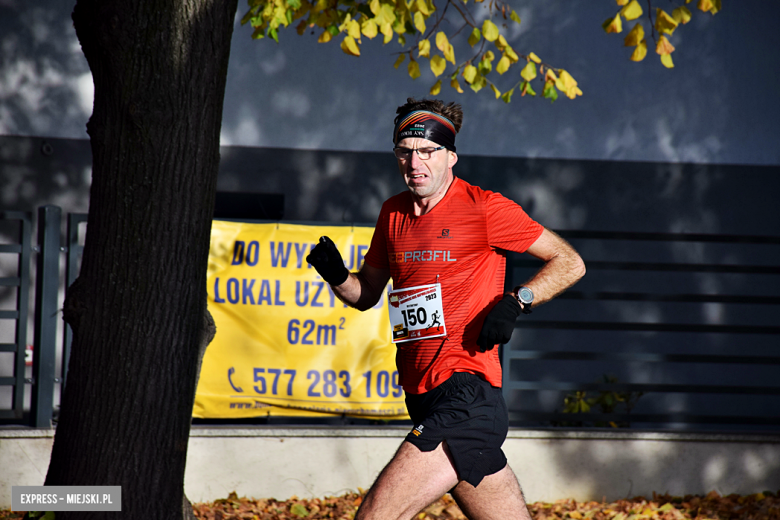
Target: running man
(441, 241)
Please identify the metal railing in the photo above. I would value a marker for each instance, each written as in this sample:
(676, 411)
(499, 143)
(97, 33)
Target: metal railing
(750, 346)
(21, 246)
(556, 335)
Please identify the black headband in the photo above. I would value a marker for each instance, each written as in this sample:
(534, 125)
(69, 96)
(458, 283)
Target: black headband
(425, 125)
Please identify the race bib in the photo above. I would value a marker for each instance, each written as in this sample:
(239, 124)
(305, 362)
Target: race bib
(416, 313)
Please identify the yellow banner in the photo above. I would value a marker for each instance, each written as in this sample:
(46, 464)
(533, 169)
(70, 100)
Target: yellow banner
(285, 345)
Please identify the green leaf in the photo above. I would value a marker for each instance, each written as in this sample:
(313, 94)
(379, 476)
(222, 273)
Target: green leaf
(485, 66)
(299, 509)
(478, 83)
(550, 92)
(515, 18)
(507, 96)
(526, 88)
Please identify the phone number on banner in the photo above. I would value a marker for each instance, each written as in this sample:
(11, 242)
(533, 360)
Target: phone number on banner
(323, 383)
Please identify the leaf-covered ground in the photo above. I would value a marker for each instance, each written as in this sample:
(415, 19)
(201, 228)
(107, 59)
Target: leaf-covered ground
(761, 506)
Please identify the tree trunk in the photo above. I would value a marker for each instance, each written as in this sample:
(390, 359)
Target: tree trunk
(138, 308)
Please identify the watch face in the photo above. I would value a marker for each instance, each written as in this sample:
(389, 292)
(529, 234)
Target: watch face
(526, 295)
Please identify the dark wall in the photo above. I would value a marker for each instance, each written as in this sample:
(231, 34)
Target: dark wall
(330, 186)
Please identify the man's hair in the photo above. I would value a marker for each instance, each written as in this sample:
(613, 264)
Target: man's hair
(451, 111)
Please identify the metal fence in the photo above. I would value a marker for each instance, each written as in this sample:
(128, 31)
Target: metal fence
(694, 340)
(689, 342)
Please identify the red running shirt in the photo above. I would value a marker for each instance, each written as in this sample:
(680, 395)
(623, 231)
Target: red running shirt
(461, 240)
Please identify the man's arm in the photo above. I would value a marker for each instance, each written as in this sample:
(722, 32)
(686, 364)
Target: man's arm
(360, 290)
(562, 268)
(363, 289)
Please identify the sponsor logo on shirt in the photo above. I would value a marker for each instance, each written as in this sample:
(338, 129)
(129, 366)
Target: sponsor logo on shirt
(421, 256)
(445, 233)
(417, 430)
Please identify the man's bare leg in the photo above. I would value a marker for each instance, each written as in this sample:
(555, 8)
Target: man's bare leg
(498, 496)
(410, 482)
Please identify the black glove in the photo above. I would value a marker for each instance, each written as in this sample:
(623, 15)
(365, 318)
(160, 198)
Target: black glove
(499, 323)
(326, 259)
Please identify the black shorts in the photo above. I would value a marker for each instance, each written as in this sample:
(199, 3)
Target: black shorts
(471, 416)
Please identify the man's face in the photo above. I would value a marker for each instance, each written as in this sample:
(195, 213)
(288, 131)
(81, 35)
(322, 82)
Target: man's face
(426, 179)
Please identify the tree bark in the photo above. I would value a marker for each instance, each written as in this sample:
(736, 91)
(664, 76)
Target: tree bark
(138, 309)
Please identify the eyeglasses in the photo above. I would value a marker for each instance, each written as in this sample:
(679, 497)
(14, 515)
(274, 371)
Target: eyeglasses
(423, 153)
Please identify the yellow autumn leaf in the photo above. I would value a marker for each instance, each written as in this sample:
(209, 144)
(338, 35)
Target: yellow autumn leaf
(438, 65)
(349, 46)
(636, 35)
(663, 46)
(705, 5)
(399, 61)
(534, 58)
(387, 31)
(422, 6)
(514, 16)
(424, 48)
(436, 88)
(474, 37)
(353, 30)
(325, 37)
(444, 45)
(666, 59)
(454, 84)
(622, 2)
(419, 22)
(640, 51)
(510, 53)
(632, 11)
(441, 41)
(716, 6)
(495, 91)
(529, 71)
(550, 76)
(681, 15)
(386, 14)
(489, 31)
(567, 84)
(576, 515)
(501, 42)
(469, 73)
(414, 69)
(488, 56)
(449, 54)
(369, 28)
(375, 5)
(503, 64)
(613, 25)
(663, 22)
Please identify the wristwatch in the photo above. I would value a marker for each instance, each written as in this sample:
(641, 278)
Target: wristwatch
(525, 296)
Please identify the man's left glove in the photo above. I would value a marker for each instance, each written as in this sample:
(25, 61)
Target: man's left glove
(326, 259)
(499, 323)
